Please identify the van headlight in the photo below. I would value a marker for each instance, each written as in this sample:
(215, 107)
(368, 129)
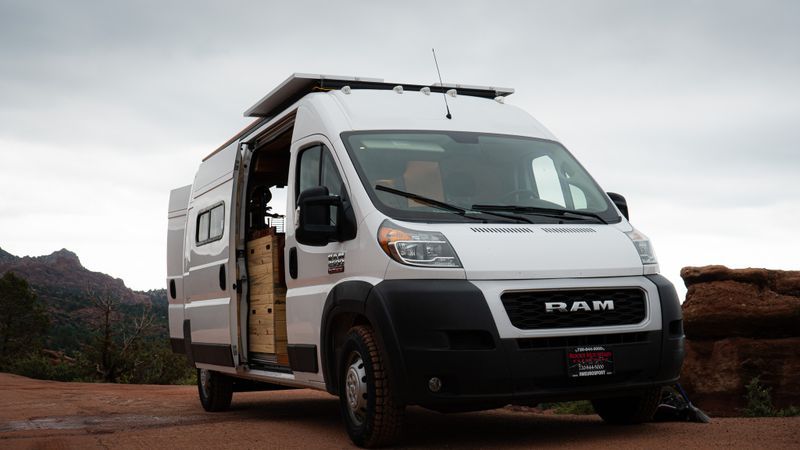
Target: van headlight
(417, 248)
(643, 246)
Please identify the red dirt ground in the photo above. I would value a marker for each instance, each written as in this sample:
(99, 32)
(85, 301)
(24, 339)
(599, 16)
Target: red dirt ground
(52, 415)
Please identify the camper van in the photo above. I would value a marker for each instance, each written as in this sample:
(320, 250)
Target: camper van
(404, 244)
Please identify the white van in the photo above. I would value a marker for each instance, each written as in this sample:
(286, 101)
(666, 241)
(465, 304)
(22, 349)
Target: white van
(404, 245)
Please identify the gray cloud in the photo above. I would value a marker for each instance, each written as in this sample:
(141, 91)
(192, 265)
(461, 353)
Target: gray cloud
(686, 107)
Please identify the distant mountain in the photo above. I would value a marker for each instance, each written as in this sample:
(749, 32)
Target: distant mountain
(67, 288)
(60, 274)
(6, 257)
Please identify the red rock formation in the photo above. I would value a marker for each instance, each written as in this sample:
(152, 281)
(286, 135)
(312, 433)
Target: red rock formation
(741, 324)
(60, 274)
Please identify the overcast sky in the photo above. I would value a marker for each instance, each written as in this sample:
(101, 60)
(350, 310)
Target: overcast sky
(689, 109)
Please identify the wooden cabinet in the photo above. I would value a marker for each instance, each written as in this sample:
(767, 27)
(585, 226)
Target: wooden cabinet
(267, 311)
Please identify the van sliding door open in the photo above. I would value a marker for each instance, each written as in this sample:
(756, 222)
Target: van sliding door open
(211, 272)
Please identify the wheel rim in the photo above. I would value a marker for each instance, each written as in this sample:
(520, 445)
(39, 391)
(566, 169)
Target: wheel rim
(205, 382)
(355, 386)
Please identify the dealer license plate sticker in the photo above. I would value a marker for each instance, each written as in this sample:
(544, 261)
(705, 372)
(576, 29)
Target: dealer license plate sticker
(589, 361)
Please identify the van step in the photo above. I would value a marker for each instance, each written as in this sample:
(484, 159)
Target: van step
(272, 366)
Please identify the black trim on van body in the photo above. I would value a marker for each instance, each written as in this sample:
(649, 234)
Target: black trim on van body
(217, 354)
(444, 329)
(345, 300)
(303, 357)
(672, 349)
(177, 345)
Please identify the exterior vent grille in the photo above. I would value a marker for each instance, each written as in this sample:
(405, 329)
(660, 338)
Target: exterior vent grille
(500, 230)
(569, 230)
(526, 310)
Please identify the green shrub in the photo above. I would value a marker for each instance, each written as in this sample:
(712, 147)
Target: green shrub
(35, 365)
(579, 407)
(791, 411)
(153, 362)
(759, 402)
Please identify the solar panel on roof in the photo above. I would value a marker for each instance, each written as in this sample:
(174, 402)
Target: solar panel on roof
(299, 84)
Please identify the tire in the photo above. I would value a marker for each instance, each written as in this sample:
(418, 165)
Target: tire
(629, 410)
(215, 389)
(371, 415)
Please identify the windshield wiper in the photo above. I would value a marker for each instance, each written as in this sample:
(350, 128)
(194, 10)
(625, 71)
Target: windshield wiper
(447, 206)
(551, 212)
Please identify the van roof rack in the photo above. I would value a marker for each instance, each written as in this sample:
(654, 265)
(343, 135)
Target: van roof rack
(300, 84)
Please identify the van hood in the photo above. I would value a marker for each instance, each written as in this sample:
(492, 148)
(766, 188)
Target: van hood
(492, 252)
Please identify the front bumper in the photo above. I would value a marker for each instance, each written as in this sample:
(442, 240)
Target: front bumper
(445, 329)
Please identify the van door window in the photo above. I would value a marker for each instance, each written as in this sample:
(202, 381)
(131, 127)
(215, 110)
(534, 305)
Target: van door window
(317, 168)
(210, 224)
(331, 179)
(330, 175)
(217, 222)
(308, 169)
(202, 227)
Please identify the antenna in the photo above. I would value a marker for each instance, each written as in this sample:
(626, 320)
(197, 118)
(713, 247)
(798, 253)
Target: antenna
(444, 95)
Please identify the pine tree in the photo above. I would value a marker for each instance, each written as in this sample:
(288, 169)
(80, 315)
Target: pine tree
(23, 319)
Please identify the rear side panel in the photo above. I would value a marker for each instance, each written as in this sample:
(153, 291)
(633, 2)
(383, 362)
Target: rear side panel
(178, 204)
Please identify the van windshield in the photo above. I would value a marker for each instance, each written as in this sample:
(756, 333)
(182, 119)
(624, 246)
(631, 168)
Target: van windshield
(534, 179)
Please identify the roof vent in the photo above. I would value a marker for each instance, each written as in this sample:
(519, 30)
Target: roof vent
(398, 89)
(567, 230)
(426, 90)
(507, 230)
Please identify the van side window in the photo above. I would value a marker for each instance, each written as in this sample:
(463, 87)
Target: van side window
(202, 227)
(308, 169)
(317, 168)
(210, 224)
(330, 176)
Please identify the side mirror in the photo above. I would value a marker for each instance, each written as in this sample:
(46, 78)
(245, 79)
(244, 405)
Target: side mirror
(315, 206)
(620, 203)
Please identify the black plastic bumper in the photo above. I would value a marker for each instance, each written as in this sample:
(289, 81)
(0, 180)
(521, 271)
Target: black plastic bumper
(444, 329)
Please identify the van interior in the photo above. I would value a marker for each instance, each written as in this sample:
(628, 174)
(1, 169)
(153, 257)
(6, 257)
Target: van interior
(265, 235)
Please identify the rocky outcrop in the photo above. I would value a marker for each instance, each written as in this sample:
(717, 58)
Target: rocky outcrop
(6, 257)
(60, 275)
(67, 290)
(741, 324)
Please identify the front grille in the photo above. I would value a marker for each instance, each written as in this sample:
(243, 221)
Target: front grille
(526, 310)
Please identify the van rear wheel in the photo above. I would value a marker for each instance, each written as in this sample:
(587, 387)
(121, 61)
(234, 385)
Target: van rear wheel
(216, 390)
(629, 410)
(371, 415)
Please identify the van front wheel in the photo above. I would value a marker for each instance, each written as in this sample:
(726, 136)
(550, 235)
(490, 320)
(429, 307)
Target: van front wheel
(372, 417)
(216, 390)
